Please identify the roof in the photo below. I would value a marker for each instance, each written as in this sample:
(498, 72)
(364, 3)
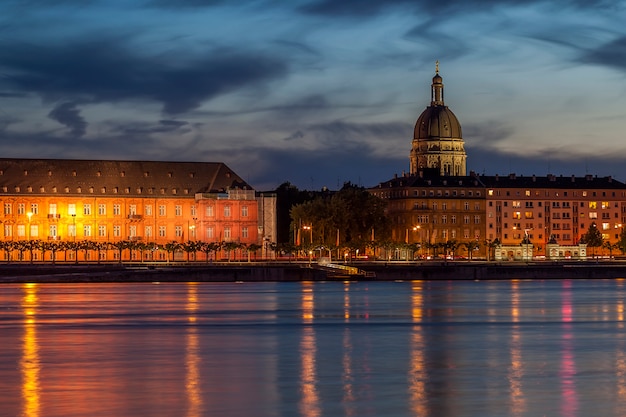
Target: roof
(437, 122)
(430, 178)
(110, 178)
(552, 181)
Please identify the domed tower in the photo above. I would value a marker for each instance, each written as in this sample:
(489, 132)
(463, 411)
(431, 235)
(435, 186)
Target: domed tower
(437, 138)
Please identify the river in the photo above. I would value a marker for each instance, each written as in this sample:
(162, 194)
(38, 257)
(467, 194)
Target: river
(393, 349)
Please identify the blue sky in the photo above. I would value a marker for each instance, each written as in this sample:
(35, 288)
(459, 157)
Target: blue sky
(315, 92)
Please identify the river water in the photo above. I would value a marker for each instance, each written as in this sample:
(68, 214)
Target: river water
(419, 349)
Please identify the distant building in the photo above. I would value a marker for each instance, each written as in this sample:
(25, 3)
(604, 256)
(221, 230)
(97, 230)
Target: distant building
(436, 202)
(437, 137)
(61, 200)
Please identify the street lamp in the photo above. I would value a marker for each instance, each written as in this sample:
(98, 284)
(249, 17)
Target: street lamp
(74, 227)
(310, 229)
(29, 215)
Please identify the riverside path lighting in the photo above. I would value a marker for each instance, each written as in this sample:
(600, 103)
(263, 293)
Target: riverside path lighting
(29, 215)
(310, 229)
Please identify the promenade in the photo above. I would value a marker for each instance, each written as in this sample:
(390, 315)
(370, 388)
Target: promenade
(302, 271)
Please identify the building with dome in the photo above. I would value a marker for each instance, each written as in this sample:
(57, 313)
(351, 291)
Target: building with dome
(437, 138)
(440, 207)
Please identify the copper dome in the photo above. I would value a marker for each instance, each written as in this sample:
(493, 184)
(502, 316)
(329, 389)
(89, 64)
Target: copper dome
(437, 122)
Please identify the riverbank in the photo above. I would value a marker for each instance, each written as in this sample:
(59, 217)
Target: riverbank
(284, 272)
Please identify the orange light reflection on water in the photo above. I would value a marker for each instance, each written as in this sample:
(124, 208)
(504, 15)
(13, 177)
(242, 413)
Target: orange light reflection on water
(417, 368)
(29, 364)
(192, 356)
(309, 404)
(516, 368)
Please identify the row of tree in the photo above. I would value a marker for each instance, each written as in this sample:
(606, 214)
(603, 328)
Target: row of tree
(89, 246)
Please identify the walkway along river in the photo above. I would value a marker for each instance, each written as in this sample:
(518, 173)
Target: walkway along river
(258, 272)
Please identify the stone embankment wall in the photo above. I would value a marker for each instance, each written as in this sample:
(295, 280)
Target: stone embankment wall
(294, 272)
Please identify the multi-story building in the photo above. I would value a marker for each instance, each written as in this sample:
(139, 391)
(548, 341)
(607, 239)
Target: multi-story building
(430, 209)
(112, 201)
(558, 208)
(437, 203)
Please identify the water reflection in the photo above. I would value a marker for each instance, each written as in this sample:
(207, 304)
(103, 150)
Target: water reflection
(569, 397)
(29, 365)
(309, 404)
(192, 356)
(516, 368)
(410, 349)
(417, 368)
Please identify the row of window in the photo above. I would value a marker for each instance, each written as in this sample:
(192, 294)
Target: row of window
(444, 206)
(529, 193)
(117, 209)
(557, 215)
(443, 219)
(21, 231)
(605, 205)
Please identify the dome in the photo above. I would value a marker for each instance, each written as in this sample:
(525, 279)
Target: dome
(437, 137)
(437, 122)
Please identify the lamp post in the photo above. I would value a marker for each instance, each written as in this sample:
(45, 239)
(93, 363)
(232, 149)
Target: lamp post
(74, 227)
(29, 215)
(310, 229)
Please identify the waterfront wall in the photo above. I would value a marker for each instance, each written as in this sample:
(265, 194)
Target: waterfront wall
(302, 272)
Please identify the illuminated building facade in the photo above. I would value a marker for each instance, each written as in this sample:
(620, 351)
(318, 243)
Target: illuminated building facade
(437, 202)
(54, 200)
(557, 207)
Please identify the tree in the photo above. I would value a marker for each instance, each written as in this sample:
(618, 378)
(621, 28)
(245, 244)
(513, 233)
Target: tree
(491, 245)
(190, 247)
(593, 237)
(471, 246)
(120, 246)
(610, 247)
(621, 243)
(230, 247)
(170, 248)
(348, 216)
(253, 248)
(207, 248)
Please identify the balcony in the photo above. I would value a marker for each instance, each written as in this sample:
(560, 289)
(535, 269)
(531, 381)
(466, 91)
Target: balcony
(54, 238)
(135, 217)
(54, 216)
(134, 238)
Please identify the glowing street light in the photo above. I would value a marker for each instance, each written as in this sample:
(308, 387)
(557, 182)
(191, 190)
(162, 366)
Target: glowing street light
(29, 214)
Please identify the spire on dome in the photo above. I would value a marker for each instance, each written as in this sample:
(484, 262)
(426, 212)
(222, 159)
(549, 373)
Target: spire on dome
(437, 88)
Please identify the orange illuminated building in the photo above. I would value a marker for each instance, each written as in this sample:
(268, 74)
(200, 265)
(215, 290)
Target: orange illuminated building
(63, 201)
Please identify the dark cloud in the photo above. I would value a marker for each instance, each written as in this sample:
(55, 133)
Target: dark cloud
(132, 129)
(104, 71)
(487, 134)
(176, 4)
(344, 134)
(441, 8)
(491, 162)
(69, 115)
(310, 169)
(611, 54)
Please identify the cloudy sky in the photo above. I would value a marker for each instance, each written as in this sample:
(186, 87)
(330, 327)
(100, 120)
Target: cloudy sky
(315, 92)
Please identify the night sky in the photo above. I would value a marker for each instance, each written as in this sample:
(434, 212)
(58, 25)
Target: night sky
(315, 92)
